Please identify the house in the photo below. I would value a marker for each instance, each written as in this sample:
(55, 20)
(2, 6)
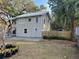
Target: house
(77, 33)
(30, 24)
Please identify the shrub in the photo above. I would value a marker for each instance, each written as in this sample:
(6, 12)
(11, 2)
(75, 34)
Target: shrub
(55, 37)
(9, 50)
(14, 50)
(8, 46)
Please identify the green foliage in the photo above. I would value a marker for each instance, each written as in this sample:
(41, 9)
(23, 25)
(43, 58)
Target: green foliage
(39, 8)
(15, 7)
(77, 22)
(10, 10)
(42, 7)
(65, 11)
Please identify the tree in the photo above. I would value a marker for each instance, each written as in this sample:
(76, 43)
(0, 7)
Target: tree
(65, 11)
(15, 7)
(42, 7)
(5, 26)
(2, 30)
(7, 8)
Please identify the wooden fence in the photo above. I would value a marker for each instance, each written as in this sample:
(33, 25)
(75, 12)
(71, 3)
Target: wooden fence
(64, 34)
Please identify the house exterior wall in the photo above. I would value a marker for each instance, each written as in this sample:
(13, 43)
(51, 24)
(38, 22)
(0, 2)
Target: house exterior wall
(46, 23)
(77, 31)
(34, 29)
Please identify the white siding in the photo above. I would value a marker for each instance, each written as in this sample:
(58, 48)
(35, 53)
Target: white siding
(77, 31)
(23, 23)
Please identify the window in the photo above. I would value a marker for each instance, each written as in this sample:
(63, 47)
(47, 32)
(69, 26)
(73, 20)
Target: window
(14, 31)
(29, 20)
(44, 21)
(25, 30)
(48, 20)
(35, 29)
(36, 19)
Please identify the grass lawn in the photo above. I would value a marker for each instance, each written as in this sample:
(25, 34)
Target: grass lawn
(54, 49)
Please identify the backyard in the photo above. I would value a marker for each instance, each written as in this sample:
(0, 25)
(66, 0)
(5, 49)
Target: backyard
(24, 22)
(53, 49)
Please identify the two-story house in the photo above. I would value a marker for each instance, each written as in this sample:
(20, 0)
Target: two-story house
(30, 24)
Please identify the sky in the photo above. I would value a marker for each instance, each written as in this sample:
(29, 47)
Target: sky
(42, 2)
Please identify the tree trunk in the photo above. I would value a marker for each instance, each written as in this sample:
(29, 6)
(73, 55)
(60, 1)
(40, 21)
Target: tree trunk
(73, 26)
(3, 39)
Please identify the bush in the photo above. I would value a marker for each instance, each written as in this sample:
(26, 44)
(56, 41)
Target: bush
(1, 55)
(55, 37)
(9, 50)
(7, 53)
(14, 50)
(8, 46)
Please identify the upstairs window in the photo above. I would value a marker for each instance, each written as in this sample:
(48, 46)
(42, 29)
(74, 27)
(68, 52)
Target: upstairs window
(29, 19)
(35, 29)
(48, 21)
(25, 30)
(44, 21)
(36, 19)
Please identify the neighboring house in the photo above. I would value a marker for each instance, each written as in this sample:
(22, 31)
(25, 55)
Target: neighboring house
(77, 31)
(30, 24)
